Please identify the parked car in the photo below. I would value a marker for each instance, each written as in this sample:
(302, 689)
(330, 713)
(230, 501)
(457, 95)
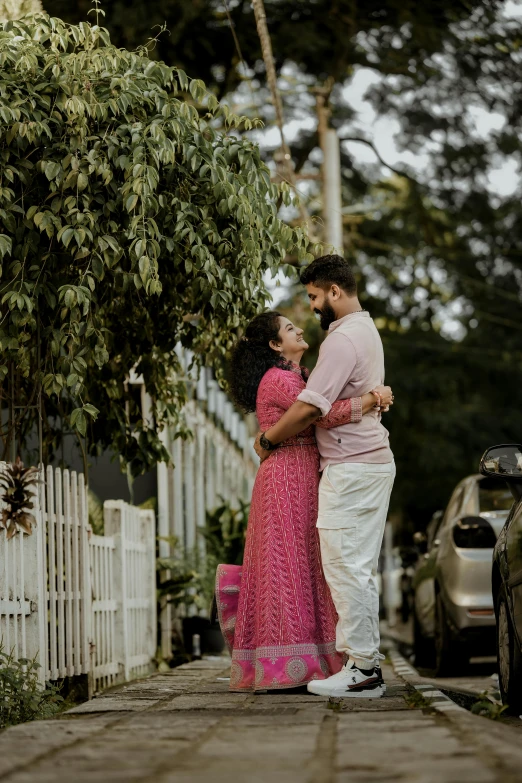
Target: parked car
(506, 461)
(453, 605)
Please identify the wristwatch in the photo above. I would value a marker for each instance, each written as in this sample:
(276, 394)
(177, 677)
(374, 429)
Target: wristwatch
(266, 444)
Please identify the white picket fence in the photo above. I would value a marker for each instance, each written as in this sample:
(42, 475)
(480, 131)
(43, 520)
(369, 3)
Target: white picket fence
(217, 463)
(81, 604)
(86, 604)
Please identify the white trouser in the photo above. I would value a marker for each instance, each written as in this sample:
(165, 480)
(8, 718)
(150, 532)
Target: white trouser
(353, 506)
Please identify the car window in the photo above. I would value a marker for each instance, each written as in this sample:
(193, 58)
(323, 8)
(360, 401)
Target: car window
(454, 504)
(495, 499)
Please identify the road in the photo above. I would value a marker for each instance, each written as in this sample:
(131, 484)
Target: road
(478, 682)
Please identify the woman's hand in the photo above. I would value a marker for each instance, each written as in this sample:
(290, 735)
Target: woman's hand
(384, 398)
(380, 398)
(386, 395)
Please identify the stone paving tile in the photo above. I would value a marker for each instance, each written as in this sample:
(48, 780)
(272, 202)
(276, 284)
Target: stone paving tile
(497, 743)
(373, 705)
(192, 701)
(186, 727)
(265, 753)
(415, 749)
(275, 699)
(133, 751)
(20, 745)
(112, 705)
(212, 687)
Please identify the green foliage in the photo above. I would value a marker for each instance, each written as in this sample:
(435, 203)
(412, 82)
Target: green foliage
(151, 504)
(487, 708)
(22, 697)
(225, 533)
(415, 700)
(176, 579)
(128, 222)
(325, 40)
(95, 509)
(14, 9)
(429, 243)
(186, 579)
(17, 484)
(453, 399)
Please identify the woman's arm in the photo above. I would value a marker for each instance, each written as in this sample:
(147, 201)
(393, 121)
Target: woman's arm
(349, 411)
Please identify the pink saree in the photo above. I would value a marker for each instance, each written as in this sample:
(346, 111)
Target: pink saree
(275, 611)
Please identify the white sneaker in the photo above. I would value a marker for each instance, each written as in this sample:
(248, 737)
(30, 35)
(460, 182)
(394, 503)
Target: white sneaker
(349, 682)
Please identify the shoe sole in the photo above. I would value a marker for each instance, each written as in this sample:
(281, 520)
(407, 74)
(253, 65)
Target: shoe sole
(368, 693)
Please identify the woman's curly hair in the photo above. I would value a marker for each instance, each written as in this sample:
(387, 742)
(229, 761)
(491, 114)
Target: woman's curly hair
(251, 357)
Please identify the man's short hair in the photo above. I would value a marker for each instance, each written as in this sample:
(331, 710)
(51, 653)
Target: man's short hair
(329, 270)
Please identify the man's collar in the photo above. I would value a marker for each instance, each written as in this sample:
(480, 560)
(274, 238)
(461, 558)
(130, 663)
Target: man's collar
(333, 326)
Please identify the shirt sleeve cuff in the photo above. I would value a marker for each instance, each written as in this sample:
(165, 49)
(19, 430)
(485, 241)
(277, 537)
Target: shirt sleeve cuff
(356, 409)
(315, 399)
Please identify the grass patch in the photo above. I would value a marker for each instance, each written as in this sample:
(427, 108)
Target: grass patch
(22, 696)
(415, 700)
(487, 708)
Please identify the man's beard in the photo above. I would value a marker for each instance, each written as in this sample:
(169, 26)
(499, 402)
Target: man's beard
(327, 314)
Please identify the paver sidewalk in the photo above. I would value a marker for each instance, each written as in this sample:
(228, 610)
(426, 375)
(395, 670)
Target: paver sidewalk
(185, 726)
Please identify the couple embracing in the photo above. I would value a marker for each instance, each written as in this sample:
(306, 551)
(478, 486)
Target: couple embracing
(303, 609)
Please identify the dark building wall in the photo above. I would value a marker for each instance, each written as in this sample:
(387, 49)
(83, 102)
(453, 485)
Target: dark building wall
(105, 477)
(108, 482)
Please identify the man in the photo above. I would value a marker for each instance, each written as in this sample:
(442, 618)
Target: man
(357, 471)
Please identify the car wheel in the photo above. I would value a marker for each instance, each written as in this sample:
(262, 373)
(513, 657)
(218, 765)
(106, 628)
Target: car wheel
(423, 646)
(451, 655)
(509, 657)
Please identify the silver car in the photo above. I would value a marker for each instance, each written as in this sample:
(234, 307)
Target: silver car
(454, 617)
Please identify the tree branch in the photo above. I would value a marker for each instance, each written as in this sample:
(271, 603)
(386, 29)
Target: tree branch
(378, 156)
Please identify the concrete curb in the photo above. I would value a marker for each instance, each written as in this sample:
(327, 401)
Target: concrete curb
(436, 699)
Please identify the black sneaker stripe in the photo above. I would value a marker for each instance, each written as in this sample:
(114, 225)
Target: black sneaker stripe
(361, 688)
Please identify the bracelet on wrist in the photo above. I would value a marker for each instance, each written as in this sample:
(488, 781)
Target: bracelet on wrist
(378, 404)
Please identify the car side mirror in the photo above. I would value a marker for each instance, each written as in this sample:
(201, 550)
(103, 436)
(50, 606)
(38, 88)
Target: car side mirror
(421, 542)
(504, 462)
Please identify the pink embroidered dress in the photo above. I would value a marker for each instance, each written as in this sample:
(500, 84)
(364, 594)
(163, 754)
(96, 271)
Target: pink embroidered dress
(275, 610)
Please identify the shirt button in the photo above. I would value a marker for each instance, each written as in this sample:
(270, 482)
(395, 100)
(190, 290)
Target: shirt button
(338, 440)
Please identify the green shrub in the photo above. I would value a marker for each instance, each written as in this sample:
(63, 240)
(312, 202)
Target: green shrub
(22, 696)
(225, 532)
(189, 579)
(123, 209)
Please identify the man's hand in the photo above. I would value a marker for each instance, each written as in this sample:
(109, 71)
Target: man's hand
(261, 453)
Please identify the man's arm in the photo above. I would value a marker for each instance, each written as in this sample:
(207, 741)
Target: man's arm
(337, 359)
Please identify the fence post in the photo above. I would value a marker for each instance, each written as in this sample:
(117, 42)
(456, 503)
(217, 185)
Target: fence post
(190, 510)
(148, 526)
(114, 522)
(85, 580)
(201, 442)
(164, 546)
(41, 569)
(178, 525)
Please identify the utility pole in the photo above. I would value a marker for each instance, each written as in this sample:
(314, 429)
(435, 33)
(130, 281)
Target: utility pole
(271, 77)
(332, 204)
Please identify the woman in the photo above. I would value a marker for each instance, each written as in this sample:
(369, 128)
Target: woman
(280, 624)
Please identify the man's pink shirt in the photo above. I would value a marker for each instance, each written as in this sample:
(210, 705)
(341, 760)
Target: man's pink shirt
(350, 364)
